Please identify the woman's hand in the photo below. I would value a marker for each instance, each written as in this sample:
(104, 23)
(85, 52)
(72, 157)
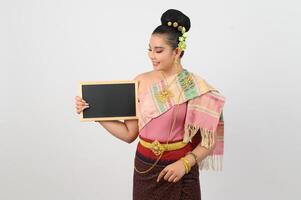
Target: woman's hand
(80, 104)
(173, 172)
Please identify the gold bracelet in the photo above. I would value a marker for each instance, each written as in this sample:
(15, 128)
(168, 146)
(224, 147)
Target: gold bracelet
(186, 168)
(195, 157)
(186, 165)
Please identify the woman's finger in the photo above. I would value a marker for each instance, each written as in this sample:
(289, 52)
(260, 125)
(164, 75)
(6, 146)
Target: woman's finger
(85, 107)
(168, 174)
(172, 177)
(78, 103)
(80, 109)
(81, 104)
(162, 173)
(85, 103)
(79, 99)
(175, 179)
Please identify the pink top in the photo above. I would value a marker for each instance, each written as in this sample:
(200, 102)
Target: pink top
(158, 128)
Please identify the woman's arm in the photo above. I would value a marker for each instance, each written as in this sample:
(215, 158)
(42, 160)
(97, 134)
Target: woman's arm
(126, 131)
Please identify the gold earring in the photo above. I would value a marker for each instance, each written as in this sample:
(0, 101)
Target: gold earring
(176, 63)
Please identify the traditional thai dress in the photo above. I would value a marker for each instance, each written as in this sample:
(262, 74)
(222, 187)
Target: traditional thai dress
(199, 118)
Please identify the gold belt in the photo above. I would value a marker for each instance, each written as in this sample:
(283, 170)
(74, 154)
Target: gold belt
(158, 148)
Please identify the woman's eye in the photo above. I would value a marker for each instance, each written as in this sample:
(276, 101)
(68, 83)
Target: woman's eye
(156, 51)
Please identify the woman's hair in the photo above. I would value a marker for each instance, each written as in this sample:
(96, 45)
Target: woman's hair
(171, 32)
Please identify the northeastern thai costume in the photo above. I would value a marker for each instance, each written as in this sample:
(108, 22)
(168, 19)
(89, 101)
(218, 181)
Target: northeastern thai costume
(199, 118)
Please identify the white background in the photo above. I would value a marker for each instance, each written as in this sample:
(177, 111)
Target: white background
(249, 50)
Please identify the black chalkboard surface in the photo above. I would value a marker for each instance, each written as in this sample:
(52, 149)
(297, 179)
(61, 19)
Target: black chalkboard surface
(109, 100)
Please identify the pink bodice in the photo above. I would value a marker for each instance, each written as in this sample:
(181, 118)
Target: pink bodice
(158, 128)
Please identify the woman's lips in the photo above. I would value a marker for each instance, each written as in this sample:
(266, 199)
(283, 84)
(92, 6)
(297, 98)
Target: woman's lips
(156, 63)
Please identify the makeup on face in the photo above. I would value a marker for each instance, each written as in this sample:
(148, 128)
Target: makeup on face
(159, 52)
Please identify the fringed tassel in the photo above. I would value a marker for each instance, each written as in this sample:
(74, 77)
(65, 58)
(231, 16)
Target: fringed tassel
(212, 162)
(207, 135)
(207, 138)
(189, 132)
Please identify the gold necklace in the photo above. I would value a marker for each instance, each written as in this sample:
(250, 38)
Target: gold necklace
(165, 94)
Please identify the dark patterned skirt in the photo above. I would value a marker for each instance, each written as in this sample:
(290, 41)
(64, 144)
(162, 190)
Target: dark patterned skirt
(146, 187)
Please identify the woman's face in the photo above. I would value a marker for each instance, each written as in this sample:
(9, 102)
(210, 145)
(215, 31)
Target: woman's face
(160, 53)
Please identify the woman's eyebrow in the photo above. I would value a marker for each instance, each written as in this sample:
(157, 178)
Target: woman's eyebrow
(157, 47)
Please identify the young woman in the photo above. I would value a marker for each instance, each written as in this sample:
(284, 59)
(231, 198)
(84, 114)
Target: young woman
(180, 124)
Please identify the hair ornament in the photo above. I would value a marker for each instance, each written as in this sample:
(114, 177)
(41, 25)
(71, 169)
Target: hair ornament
(182, 39)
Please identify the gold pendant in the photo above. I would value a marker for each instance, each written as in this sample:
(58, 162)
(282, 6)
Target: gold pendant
(164, 95)
(187, 81)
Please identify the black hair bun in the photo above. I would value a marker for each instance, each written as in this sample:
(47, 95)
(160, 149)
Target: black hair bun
(173, 15)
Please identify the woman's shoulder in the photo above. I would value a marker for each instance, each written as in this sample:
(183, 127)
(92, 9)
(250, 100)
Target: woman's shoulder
(146, 76)
(145, 79)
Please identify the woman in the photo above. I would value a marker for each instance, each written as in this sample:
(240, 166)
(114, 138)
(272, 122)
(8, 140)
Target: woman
(180, 124)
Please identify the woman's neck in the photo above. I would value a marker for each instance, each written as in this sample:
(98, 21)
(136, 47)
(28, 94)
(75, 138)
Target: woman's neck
(172, 71)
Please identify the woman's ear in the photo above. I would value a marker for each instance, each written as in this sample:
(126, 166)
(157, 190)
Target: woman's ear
(178, 52)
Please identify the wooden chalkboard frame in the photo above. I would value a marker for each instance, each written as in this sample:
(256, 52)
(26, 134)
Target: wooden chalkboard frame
(135, 82)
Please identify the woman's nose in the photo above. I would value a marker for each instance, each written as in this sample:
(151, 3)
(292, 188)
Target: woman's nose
(151, 55)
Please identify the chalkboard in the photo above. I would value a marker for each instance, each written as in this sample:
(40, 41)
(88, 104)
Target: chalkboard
(109, 100)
